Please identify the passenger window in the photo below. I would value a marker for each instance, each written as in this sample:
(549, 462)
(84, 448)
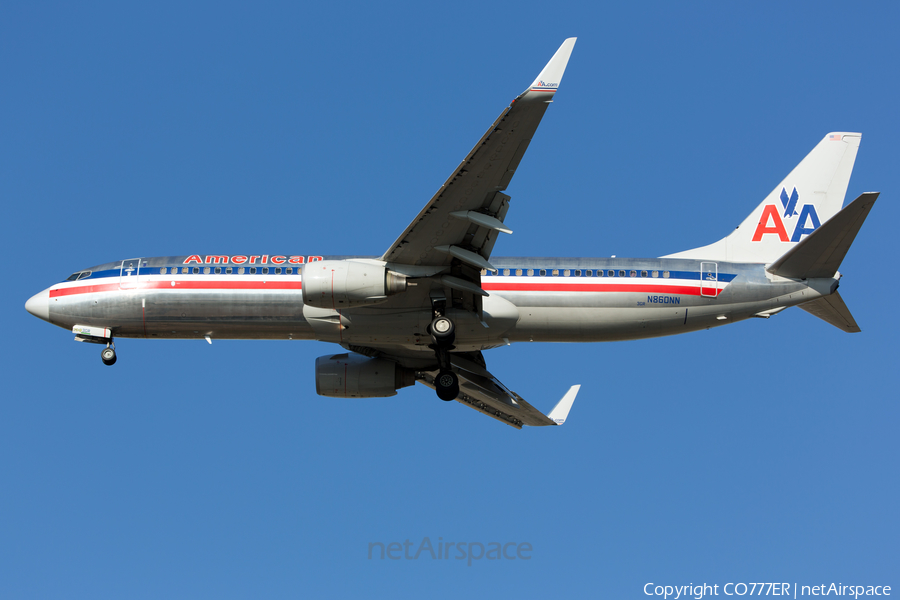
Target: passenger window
(265, 270)
(506, 271)
(611, 273)
(253, 270)
(228, 270)
(206, 270)
(288, 270)
(483, 272)
(654, 274)
(621, 273)
(543, 272)
(665, 274)
(240, 270)
(196, 270)
(530, 272)
(577, 272)
(588, 272)
(556, 272)
(162, 271)
(643, 273)
(566, 273)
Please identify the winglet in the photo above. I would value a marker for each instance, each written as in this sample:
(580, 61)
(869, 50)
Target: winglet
(548, 80)
(561, 410)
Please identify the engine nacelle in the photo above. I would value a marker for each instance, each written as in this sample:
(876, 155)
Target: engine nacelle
(355, 376)
(341, 284)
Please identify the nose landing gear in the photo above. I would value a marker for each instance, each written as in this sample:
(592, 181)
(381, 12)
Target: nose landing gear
(108, 355)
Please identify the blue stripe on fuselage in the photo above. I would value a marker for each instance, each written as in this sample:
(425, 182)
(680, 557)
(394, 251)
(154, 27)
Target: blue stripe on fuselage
(723, 277)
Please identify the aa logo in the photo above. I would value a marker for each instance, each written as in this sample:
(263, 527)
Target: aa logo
(773, 222)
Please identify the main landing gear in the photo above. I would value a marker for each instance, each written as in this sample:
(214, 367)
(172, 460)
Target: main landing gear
(443, 334)
(108, 354)
(447, 386)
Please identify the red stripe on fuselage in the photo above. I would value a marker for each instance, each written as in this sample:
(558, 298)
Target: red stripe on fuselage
(684, 290)
(181, 285)
(86, 289)
(297, 285)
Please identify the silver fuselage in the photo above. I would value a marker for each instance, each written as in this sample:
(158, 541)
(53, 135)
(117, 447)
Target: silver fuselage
(531, 299)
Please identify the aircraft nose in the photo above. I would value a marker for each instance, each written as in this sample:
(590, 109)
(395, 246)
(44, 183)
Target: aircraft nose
(39, 305)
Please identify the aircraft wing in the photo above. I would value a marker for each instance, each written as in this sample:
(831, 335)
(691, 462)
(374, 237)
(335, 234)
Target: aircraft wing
(465, 216)
(486, 394)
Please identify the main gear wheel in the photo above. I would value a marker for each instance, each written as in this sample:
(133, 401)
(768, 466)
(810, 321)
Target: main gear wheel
(447, 385)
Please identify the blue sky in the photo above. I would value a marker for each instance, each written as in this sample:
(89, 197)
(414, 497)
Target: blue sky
(764, 451)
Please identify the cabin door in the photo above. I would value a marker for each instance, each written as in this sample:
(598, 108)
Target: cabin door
(130, 274)
(709, 275)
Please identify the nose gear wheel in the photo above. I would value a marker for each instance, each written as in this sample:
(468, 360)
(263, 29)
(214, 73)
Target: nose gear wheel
(108, 356)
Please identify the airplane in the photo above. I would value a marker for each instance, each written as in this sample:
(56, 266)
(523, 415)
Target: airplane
(426, 309)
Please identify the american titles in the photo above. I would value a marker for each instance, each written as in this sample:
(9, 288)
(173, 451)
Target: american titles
(240, 259)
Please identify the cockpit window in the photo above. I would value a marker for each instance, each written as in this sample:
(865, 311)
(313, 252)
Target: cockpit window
(73, 277)
(78, 275)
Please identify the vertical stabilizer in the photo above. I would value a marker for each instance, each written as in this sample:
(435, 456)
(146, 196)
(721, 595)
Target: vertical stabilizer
(810, 195)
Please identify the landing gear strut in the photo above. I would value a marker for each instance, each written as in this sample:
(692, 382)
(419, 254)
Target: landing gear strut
(108, 354)
(443, 334)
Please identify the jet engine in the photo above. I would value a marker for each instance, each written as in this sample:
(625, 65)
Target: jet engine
(355, 376)
(341, 284)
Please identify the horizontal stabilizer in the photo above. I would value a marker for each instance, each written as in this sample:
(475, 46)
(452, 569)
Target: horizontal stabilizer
(821, 253)
(832, 309)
